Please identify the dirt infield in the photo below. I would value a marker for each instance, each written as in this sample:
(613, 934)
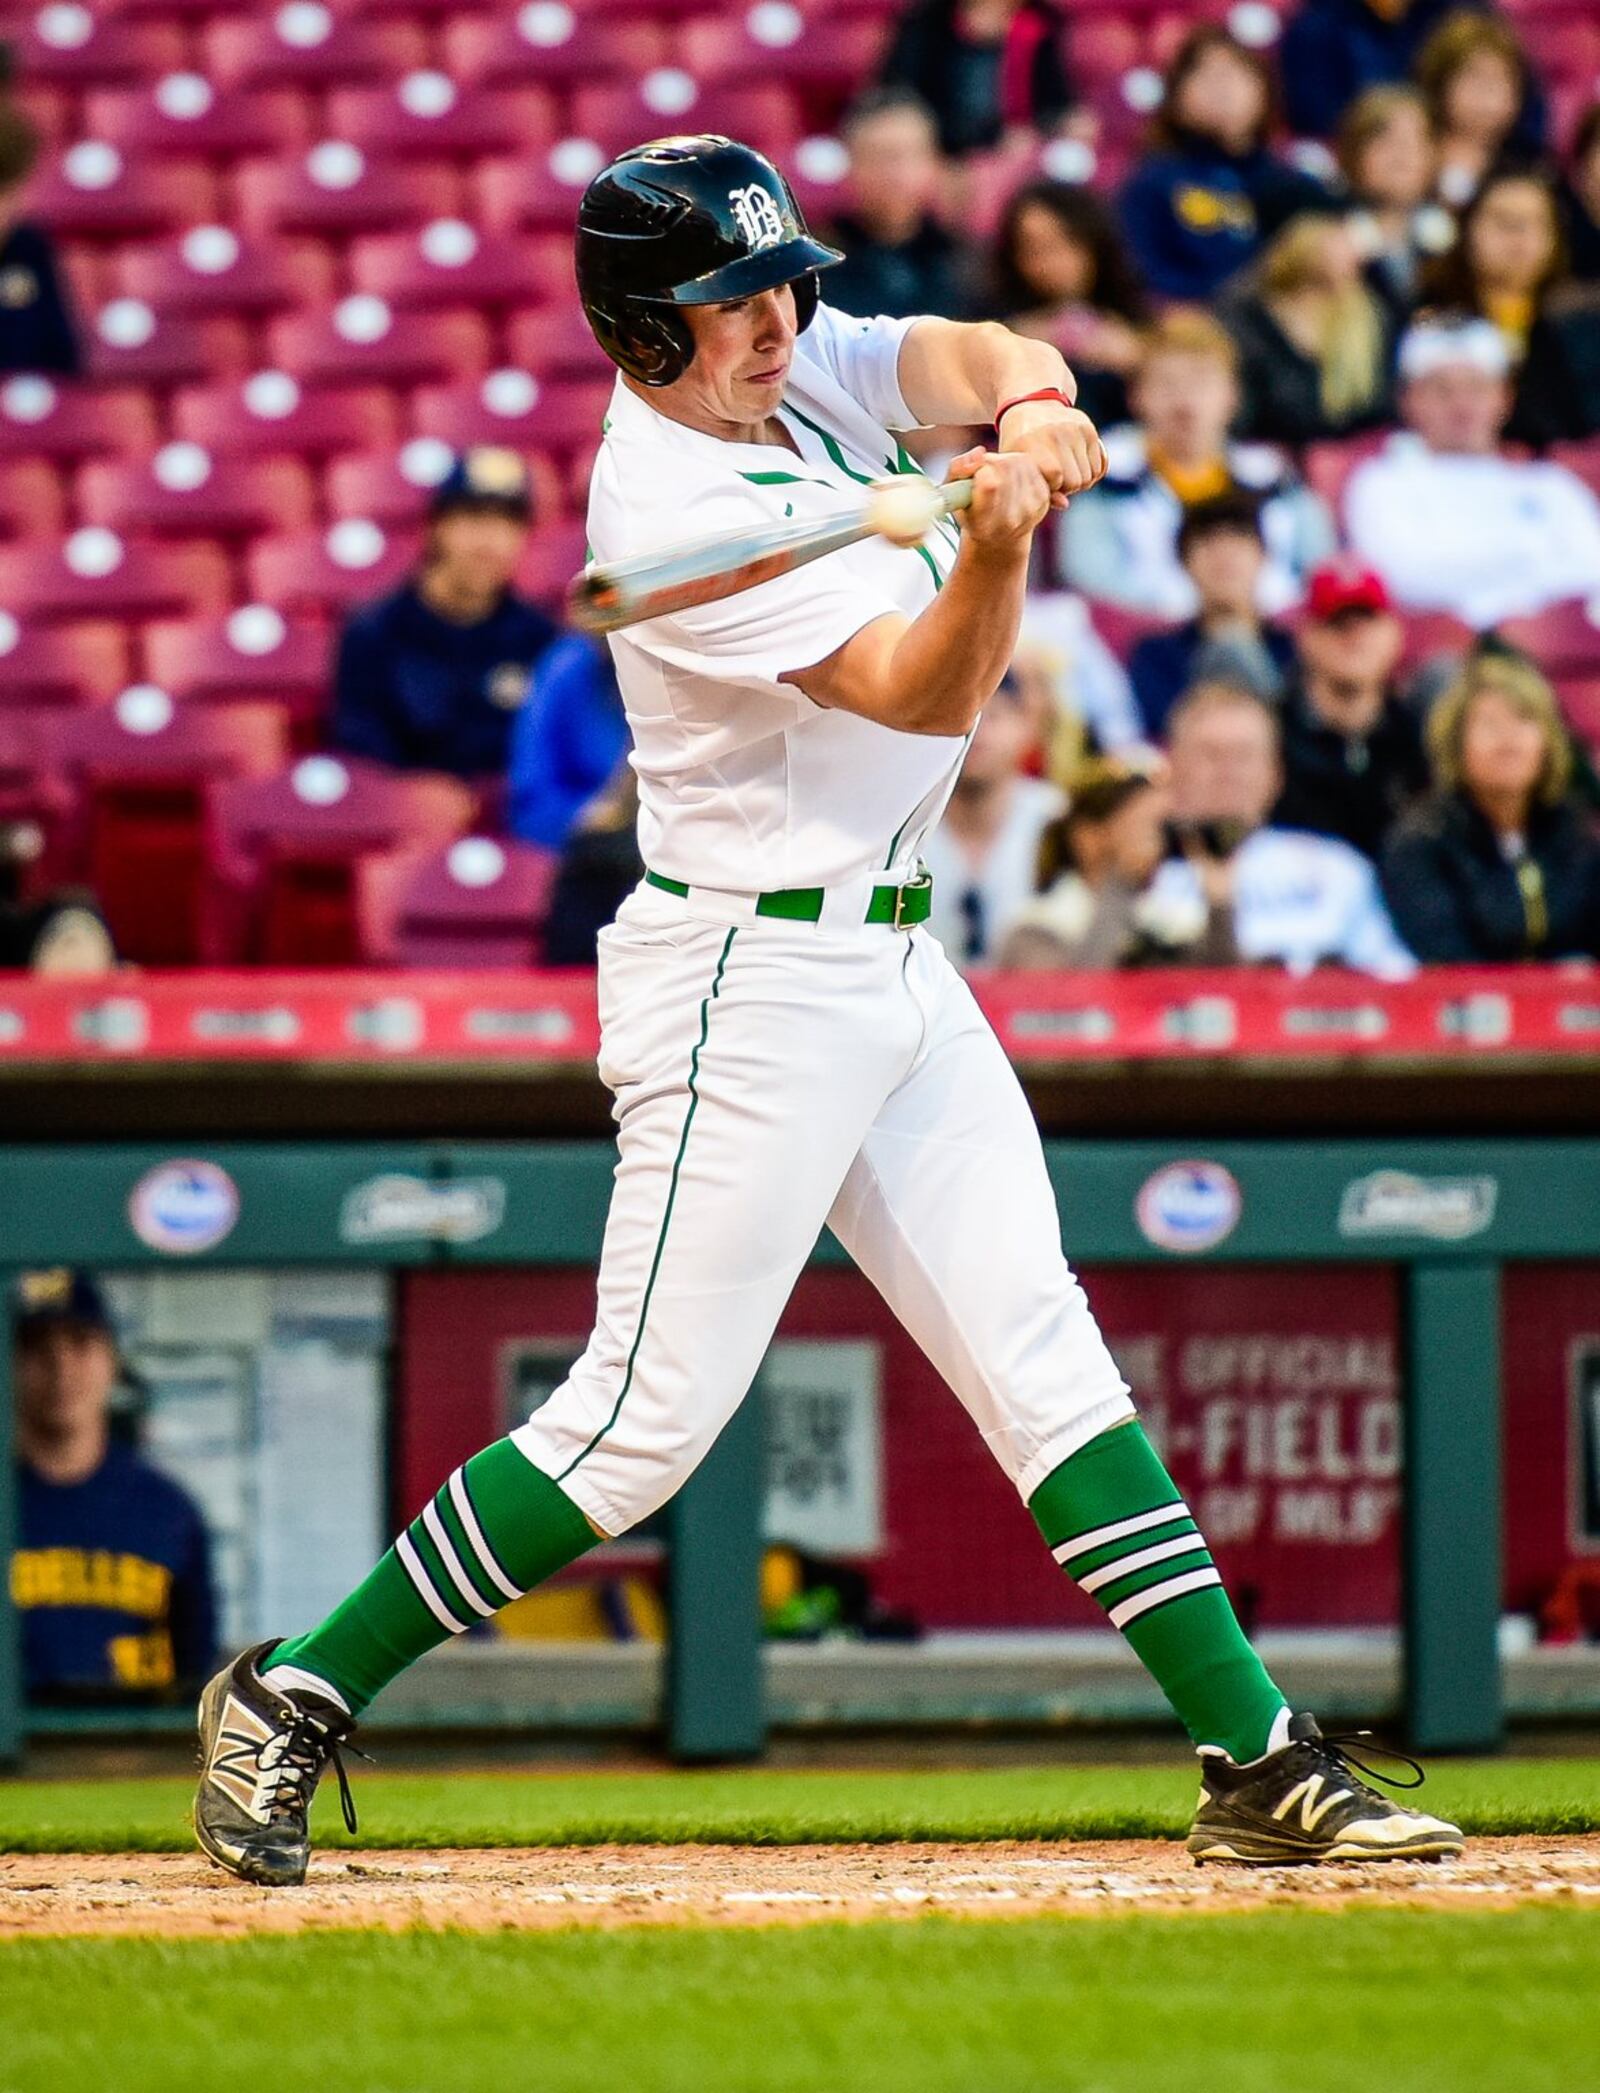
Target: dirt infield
(545, 1888)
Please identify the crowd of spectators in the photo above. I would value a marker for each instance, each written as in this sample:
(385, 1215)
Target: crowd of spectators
(1337, 316)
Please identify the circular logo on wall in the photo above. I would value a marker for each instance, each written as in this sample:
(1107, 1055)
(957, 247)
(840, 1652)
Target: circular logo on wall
(1188, 1206)
(183, 1207)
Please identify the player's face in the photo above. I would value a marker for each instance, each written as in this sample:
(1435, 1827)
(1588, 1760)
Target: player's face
(64, 1377)
(742, 354)
(1502, 750)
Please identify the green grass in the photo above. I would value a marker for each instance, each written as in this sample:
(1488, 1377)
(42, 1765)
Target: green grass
(761, 1808)
(1412, 2002)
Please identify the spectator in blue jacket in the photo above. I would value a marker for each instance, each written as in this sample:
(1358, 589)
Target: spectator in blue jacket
(567, 741)
(112, 1574)
(1209, 192)
(1333, 49)
(37, 330)
(431, 677)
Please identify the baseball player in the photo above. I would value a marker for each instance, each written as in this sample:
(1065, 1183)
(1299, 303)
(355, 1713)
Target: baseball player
(785, 1047)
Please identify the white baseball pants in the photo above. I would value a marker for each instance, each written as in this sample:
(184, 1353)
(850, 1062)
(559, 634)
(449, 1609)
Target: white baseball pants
(769, 1077)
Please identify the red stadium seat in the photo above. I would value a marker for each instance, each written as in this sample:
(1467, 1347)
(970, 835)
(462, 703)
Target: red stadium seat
(253, 652)
(94, 573)
(556, 342)
(211, 269)
(1581, 458)
(1564, 640)
(669, 99)
(41, 418)
(49, 665)
(394, 488)
(31, 788)
(184, 113)
(286, 850)
(511, 406)
(329, 571)
(363, 338)
(772, 40)
(476, 903)
(92, 191)
(554, 555)
(305, 44)
(449, 262)
(1328, 466)
(545, 43)
(430, 115)
(33, 498)
(186, 492)
(72, 45)
(135, 343)
(271, 414)
(1432, 636)
(538, 192)
(337, 190)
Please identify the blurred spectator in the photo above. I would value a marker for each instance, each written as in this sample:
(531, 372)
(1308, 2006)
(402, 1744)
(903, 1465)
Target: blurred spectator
(1449, 523)
(984, 852)
(37, 329)
(1095, 906)
(898, 258)
(1315, 343)
(1389, 162)
(112, 1575)
(1509, 266)
(1075, 684)
(1484, 100)
(1120, 541)
(1501, 863)
(600, 867)
(1581, 199)
(988, 69)
(1228, 641)
(1352, 751)
(1063, 275)
(1208, 192)
(1334, 49)
(430, 677)
(566, 742)
(1298, 899)
(61, 934)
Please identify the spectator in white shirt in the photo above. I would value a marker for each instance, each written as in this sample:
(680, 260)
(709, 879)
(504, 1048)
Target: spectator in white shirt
(1449, 523)
(1293, 898)
(984, 854)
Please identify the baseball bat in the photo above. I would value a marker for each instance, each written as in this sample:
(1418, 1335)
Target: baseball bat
(655, 584)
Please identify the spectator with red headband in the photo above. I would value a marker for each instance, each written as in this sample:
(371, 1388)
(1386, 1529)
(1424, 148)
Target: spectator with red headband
(988, 69)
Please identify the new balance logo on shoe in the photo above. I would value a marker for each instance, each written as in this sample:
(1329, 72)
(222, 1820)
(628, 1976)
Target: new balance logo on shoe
(236, 1764)
(1312, 1811)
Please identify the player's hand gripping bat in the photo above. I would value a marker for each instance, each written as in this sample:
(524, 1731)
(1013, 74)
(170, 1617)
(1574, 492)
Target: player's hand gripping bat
(654, 584)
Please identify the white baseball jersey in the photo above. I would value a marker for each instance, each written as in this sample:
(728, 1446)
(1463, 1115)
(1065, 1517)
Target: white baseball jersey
(744, 783)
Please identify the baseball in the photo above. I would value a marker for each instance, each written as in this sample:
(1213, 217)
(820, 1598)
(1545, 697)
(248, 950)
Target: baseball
(904, 509)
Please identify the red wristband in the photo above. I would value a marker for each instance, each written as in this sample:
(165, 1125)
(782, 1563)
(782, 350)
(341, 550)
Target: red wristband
(1048, 392)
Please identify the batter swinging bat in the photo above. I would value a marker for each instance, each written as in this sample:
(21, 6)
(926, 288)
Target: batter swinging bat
(654, 584)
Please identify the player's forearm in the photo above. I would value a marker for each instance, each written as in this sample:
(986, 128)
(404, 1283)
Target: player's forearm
(948, 662)
(953, 371)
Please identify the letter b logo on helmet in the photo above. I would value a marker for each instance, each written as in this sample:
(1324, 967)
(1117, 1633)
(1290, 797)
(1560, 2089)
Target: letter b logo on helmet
(686, 221)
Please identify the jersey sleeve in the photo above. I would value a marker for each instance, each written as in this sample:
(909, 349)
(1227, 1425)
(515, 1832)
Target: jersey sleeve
(862, 357)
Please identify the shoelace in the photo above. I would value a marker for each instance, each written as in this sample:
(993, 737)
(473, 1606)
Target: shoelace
(305, 1746)
(1353, 1751)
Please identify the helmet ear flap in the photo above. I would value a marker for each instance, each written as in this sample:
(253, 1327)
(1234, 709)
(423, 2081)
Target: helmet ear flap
(649, 343)
(806, 294)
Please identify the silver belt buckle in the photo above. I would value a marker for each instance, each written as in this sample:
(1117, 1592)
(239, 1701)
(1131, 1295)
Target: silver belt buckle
(919, 879)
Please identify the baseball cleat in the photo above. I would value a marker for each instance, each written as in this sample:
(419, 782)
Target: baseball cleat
(262, 1754)
(1308, 1802)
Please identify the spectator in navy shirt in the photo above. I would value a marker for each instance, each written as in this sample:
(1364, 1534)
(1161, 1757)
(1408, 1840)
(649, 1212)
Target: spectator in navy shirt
(898, 258)
(1199, 205)
(1333, 49)
(567, 741)
(36, 325)
(988, 69)
(112, 1575)
(432, 677)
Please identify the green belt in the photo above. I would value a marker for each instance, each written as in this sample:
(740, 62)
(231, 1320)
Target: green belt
(900, 907)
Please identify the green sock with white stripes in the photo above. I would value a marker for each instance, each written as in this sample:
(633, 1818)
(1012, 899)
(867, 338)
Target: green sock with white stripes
(1117, 1524)
(497, 1528)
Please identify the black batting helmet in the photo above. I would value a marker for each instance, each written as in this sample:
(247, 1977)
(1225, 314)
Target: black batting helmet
(686, 221)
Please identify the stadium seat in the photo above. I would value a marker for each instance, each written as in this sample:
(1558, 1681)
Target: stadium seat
(49, 665)
(552, 558)
(1564, 640)
(1581, 458)
(430, 115)
(134, 343)
(545, 43)
(31, 788)
(185, 491)
(363, 338)
(211, 269)
(511, 406)
(772, 40)
(475, 903)
(304, 44)
(285, 853)
(33, 498)
(556, 342)
(1328, 466)
(669, 99)
(93, 191)
(42, 418)
(184, 113)
(94, 573)
(337, 190)
(393, 488)
(449, 262)
(68, 44)
(270, 414)
(1432, 636)
(537, 192)
(248, 653)
(329, 570)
